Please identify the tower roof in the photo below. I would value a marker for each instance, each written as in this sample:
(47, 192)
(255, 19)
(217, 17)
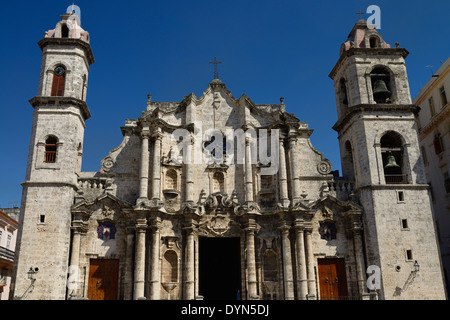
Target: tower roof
(69, 27)
(363, 35)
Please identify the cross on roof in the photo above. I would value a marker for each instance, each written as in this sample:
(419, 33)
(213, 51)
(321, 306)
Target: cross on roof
(215, 63)
(360, 13)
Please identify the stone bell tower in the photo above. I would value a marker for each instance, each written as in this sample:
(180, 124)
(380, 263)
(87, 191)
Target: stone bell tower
(54, 158)
(378, 140)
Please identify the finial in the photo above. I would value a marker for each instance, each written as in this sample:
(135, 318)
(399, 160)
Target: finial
(397, 45)
(282, 100)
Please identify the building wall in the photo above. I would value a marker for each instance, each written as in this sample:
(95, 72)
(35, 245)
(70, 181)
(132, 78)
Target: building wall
(437, 165)
(8, 236)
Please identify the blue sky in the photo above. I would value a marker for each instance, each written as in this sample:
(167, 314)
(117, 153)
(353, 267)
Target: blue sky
(269, 49)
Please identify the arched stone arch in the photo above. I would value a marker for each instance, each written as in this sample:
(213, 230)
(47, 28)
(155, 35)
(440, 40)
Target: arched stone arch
(372, 75)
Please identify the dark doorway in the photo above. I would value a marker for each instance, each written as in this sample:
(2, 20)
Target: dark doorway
(219, 268)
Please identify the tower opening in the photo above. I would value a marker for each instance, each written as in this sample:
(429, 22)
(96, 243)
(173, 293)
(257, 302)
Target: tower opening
(50, 149)
(392, 154)
(219, 268)
(381, 83)
(374, 42)
(64, 31)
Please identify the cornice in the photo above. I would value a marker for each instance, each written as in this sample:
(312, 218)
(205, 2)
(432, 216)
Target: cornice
(367, 52)
(49, 101)
(71, 42)
(385, 108)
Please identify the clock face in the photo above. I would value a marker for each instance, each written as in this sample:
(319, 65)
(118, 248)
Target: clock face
(60, 70)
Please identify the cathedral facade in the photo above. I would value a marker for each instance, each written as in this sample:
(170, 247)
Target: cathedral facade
(216, 197)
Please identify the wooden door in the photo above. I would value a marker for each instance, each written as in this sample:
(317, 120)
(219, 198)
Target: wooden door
(332, 279)
(103, 279)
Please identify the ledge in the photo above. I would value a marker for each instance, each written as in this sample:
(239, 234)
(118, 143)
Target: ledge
(69, 41)
(352, 111)
(367, 51)
(61, 101)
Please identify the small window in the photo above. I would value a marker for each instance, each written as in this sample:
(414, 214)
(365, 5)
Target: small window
(409, 255)
(437, 142)
(404, 224)
(401, 196)
(42, 218)
(431, 104)
(50, 149)
(443, 96)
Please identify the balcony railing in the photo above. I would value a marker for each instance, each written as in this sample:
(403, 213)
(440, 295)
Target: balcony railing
(6, 253)
(396, 178)
(50, 156)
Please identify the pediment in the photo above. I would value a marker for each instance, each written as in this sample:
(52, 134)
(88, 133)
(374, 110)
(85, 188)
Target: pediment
(104, 207)
(329, 207)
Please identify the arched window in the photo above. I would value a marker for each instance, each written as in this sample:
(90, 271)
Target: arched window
(381, 85)
(218, 182)
(50, 149)
(393, 158)
(171, 179)
(64, 31)
(59, 80)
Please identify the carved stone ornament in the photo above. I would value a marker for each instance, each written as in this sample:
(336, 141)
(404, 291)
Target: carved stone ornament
(107, 163)
(324, 167)
(107, 212)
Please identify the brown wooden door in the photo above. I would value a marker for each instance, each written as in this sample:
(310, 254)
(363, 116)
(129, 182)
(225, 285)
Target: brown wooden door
(332, 279)
(103, 279)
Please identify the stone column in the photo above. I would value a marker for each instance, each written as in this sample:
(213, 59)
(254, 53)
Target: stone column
(248, 171)
(302, 280)
(359, 257)
(188, 162)
(310, 263)
(156, 170)
(196, 266)
(287, 264)
(128, 290)
(189, 268)
(282, 174)
(74, 267)
(143, 174)
(139, 259)
(251, 265)
(155, 273)
(295, 179)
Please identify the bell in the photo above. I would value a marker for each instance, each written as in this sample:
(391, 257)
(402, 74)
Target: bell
(380, 91)
(391, 162)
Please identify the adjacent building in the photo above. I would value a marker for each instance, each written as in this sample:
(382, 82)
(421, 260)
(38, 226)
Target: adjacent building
(434, 135)
(8, 235)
